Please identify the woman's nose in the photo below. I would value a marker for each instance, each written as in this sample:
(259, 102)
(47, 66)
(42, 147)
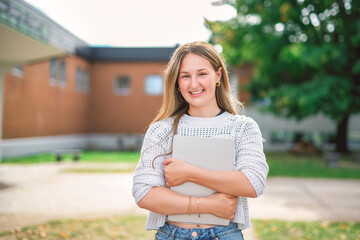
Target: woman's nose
(194, 83)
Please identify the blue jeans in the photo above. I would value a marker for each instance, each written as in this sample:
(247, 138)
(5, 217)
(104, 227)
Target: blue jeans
(172, 232)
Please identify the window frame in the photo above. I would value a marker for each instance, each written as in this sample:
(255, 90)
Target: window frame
(62, 74)
(117, 89)
(53, 72)
(153, 92)
(18, 71)
(82, 80)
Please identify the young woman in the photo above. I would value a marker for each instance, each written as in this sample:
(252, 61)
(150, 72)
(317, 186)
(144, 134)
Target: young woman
(198, 102)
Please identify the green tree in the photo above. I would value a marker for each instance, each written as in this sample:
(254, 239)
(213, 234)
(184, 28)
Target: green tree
(306, 56)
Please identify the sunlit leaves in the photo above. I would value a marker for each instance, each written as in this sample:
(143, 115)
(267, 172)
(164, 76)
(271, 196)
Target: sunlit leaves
(305, 54)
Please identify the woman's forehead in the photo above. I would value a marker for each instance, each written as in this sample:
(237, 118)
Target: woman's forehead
(194, 62)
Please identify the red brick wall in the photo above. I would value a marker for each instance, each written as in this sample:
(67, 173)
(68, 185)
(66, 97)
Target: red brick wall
(244, 74)
(125, 114)
(32, 107)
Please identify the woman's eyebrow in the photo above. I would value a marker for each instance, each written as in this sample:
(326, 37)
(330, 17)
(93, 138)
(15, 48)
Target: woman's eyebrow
(201, 69)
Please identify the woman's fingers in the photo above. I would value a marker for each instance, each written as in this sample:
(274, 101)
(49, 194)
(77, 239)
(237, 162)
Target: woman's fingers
(225, 205)
(168, 161)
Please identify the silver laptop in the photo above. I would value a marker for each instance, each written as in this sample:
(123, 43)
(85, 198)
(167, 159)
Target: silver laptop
(216, 154)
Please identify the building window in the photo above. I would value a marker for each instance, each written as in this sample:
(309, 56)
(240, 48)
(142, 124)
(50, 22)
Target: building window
(281, 136)
(78, 79)
(154, 85)
(53, 71)
(62, 74)
(18, 71)
(354, 138)
(292, 137)
(122, 85)
(82, 80)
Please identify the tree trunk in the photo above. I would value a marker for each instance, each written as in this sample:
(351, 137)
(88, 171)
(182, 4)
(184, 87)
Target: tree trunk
(341, 135)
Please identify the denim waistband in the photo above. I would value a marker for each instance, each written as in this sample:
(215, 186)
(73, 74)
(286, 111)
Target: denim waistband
(175, 232)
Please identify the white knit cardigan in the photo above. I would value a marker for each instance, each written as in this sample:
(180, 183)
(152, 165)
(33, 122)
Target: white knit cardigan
(249, 156)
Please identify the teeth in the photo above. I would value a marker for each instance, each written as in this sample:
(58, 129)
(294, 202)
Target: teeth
(200, 91)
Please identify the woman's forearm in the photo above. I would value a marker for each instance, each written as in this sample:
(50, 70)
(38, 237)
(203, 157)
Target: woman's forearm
(164, 201)
(167, 202)
(231, 182)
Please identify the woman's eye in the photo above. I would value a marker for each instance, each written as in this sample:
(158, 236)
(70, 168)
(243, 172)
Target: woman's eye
(202, 74)
(185, 76)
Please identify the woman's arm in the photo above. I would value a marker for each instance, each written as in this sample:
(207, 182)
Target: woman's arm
(149, 185)
(165, 201)
(251, 168)
(230, 182)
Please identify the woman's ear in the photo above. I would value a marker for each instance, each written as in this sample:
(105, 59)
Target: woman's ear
(219, 73)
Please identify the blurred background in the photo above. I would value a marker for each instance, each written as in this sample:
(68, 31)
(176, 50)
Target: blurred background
(82, 80)
(87, 74)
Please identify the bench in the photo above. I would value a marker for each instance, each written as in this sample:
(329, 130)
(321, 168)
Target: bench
(356, 156)
(58, 153)
(332, 159)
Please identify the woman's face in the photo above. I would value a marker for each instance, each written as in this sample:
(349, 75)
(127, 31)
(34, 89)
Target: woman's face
(197, 83)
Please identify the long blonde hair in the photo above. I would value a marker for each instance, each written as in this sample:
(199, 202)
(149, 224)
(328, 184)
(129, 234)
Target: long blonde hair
(174, 105)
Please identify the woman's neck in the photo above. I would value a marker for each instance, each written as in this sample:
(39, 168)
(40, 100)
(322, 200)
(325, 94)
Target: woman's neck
(204, 112)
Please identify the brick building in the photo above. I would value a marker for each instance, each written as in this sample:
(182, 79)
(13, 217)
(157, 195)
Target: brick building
(59, 92)
(73, 95)
(106, 91)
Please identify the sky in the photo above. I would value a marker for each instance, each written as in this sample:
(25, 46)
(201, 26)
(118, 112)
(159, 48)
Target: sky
(135, 23)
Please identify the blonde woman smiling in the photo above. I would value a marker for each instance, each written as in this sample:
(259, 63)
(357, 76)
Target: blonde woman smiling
(197, 102)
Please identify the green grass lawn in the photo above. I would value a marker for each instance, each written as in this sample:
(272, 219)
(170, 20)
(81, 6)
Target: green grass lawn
(132, 228)
(86, 156)
(316, 230)
(285, 164)
(125, 227)
(281, 164)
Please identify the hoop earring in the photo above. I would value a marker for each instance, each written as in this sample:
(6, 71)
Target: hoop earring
(218, 84)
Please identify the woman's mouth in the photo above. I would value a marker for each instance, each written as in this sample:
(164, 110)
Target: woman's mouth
(197, 92)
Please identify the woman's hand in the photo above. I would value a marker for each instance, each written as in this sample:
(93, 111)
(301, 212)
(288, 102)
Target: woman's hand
(222, 205)
(176, 171)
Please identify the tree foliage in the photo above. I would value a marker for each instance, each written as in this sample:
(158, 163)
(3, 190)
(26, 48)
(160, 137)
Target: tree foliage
(306, 55)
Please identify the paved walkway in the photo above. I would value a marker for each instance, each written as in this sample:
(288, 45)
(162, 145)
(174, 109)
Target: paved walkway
(33, 194)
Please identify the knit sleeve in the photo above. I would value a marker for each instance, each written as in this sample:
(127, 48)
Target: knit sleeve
(155, 149)
(250, 155)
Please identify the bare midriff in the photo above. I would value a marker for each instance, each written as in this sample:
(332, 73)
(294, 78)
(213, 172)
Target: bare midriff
(189, 226)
